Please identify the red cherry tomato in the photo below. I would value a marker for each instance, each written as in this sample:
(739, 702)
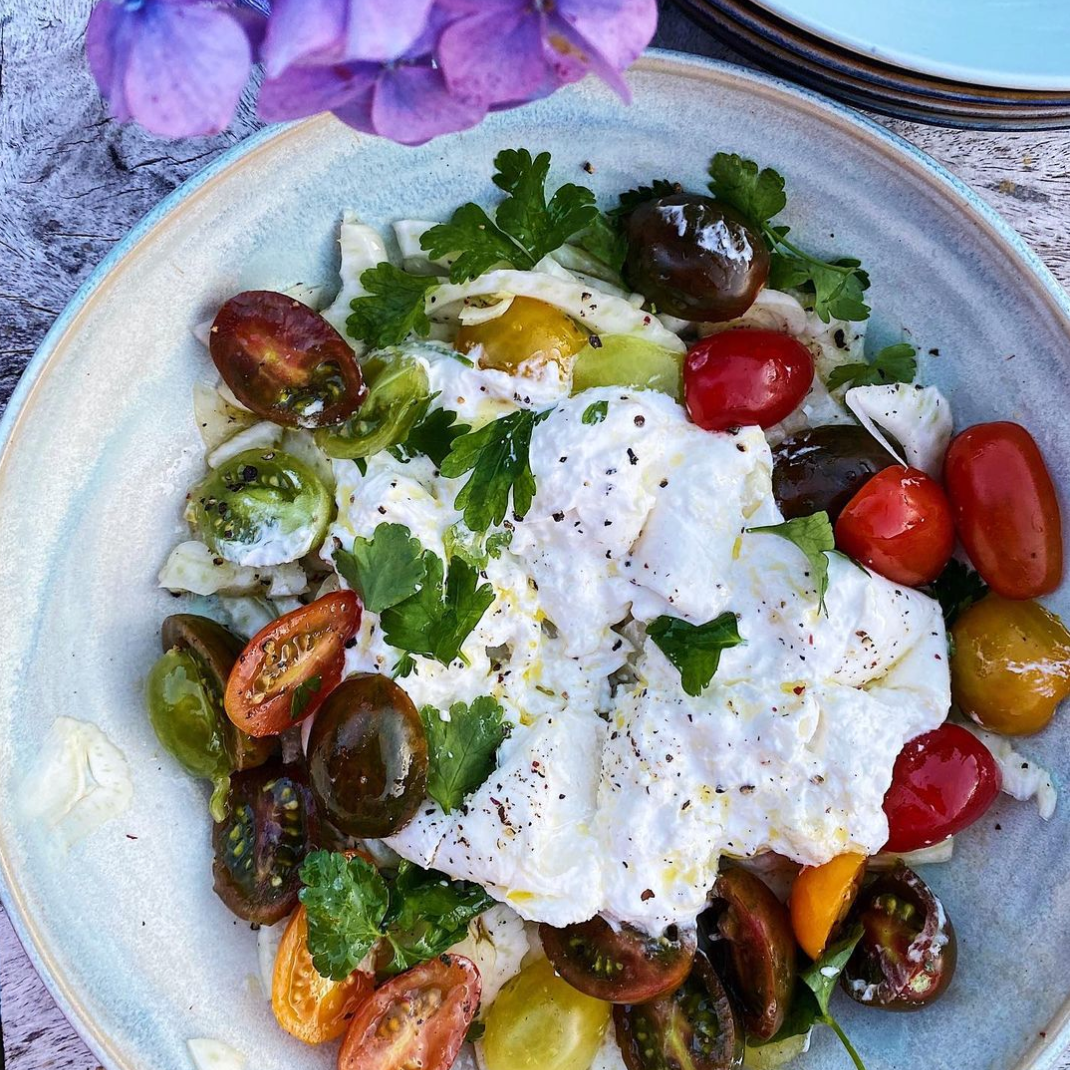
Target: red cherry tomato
(942, 782)
(743, 377)
(899, 524)
(1005, 509)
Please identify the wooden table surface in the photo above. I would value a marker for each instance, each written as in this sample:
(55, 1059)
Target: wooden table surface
(72, 183)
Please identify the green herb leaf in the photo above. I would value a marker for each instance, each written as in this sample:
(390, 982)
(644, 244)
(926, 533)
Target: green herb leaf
(346, 901)
(812, 535)
(498, 542)
(526, 227)
(475, 1032)
(893, 364)
(836, 286)
(428, 914)
(604, 242)
(434, 435)
(756, 195)
(821, 976)
(956, 589)
(497, 455)
(393, 308)
(385, 569)
(631, 199)
(476, 241)
(438, 618)
(695, 649)
(595, 413)
(302, 696)
(462, 748)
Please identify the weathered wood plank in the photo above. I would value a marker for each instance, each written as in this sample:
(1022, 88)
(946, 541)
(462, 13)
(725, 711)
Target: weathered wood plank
(72, 183)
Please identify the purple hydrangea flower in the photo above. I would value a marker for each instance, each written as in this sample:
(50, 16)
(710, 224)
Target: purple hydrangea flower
(176, 66)
(505, 52)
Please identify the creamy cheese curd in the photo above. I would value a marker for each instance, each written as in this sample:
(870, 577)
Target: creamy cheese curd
(616, 792)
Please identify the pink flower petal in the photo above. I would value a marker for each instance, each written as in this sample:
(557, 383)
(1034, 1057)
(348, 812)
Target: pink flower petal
(618, 30)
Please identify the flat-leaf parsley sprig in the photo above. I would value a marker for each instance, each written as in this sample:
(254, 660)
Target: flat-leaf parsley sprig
(836, 286)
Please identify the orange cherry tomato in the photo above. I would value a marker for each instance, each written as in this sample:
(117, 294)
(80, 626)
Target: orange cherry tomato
(820, 899)
(529, 331)
(899, 524)
(1006, 510)
(307, 1005)
(288, 669)
(418, 1019)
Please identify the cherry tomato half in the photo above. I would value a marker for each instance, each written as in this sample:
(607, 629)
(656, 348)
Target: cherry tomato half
(288, 669)
(284, 361)
(308, 1005)
(743, 377)
(906, 957)
(756, 928)
(820, 899)
(529, 333)
(695, 1027)
(1011, 664)
(618, 965)
(418, 1019)
(1005, 509)
(942, 782)
(899, 524)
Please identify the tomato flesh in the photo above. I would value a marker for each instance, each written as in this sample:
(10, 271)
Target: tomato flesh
(1006, 509)
(284, 361)
(619, 966)
(419, 1019)
(288, 669)
(942, 782)
(821, 898)
(306, 1004)
(529, 334)
(899, 524)
(743, 377)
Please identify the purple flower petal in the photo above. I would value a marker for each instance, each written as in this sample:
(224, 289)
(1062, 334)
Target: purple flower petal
(305, 32)
(412, 104)
(301, 91)
(384, 30)
(618, 30)
(176, 67)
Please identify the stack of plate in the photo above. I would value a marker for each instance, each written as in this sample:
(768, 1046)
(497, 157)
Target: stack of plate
(988, 64)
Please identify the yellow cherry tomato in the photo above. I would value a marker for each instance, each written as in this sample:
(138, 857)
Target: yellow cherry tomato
(820, 899)
(1011, 665)
(540, 1022)
(528, 332)
(308, 1006)
(627, 361)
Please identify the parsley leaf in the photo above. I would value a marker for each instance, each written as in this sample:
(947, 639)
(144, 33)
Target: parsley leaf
(462, 748)
(604, 242)
(695, 649)
(302, 695)
(813, 993)
(893, 364)
(428, 914)
(438, 618)
(434, 435)
(837, 286)
(595, 413)
(497, 455)
(956, 589)
(498, 543)
(525, 226)
(631, 199)
(812, 535)
(346, 901)
(393, 308)
(385, 569)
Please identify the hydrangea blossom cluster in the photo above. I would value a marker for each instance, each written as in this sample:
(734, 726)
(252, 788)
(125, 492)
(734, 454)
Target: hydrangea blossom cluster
(405, 69)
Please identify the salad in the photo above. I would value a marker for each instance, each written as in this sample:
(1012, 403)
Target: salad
(586, 636)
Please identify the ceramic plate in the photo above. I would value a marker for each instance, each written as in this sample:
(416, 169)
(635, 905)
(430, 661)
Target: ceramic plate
(99, 445)
(1024, 44)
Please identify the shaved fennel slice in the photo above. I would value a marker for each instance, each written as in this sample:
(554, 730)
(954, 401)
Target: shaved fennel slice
(301, 444)
(217, 420)
(261, 436)
(192, 567)
(79, 781)
(924, 856)
(1022, 779)
(917, 417)
(268, 938)
(600, 312)
(407, 233)
(497, 943)
(247, 615)
(778, 1053)
(209, 1054)
(362, 248)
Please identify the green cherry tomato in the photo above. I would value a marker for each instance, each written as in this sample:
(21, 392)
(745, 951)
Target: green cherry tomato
(626, 361)
(398, 399)
(263, 507)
